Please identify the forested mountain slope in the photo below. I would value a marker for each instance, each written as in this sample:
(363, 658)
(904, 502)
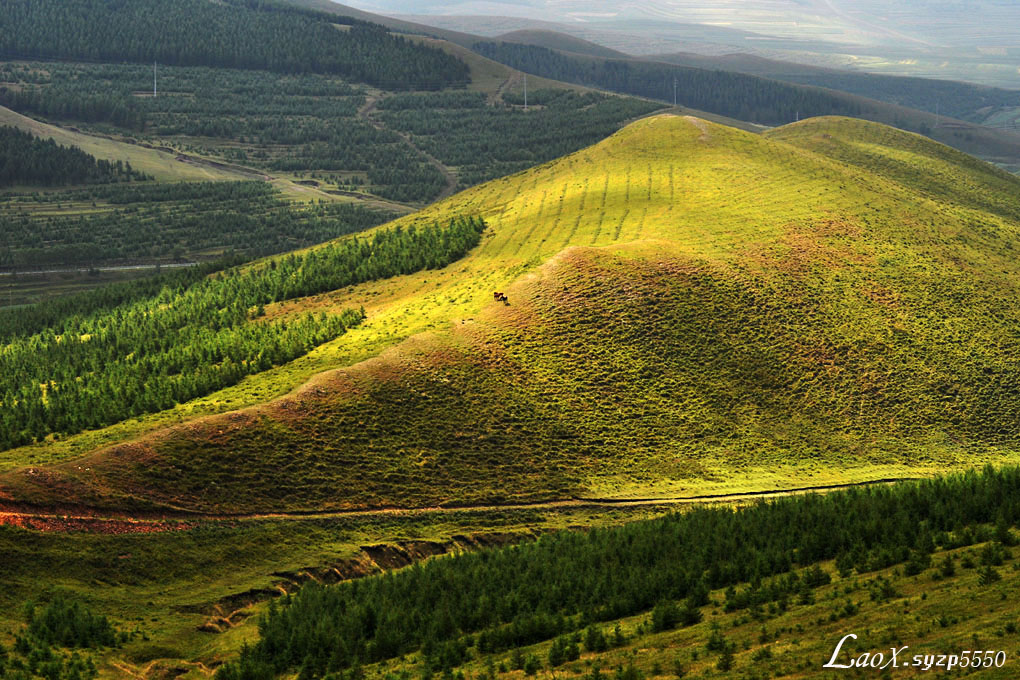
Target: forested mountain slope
(234, 34)
(689, 305)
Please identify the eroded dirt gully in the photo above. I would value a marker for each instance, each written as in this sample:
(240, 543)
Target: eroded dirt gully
(232, 610)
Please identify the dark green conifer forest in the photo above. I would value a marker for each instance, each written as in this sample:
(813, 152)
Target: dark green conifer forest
(245, 34)
(28, 160)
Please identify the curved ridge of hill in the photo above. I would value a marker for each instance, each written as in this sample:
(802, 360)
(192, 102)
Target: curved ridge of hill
(690, 304)
(555, 40)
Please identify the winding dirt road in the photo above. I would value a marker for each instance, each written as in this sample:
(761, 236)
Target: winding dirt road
(114, 523)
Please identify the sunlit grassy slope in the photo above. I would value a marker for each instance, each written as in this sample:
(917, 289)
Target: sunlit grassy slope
(692, 308)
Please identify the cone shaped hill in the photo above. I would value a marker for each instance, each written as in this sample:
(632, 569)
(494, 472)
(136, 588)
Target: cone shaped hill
(692, 308)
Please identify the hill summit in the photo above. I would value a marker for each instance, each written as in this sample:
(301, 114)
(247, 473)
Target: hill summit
(687, 304)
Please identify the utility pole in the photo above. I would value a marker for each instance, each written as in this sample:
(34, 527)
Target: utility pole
(153, 80)
(674, 92)
(525, 91)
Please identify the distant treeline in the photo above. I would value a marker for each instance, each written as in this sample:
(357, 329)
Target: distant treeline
(27, 160)
(88, 371)
(507, 598)
(245, 34)
(730, 94)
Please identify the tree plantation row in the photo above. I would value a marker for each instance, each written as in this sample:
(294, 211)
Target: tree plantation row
(485, 142)
(150, 354)
(168, 221)
(309, 123)
(568, 581)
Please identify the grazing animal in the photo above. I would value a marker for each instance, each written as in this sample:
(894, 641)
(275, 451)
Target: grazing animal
(500, 297)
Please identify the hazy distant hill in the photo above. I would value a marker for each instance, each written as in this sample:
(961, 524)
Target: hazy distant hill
(559, 41)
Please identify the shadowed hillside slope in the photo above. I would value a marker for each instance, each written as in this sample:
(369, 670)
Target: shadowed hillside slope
(691, 307)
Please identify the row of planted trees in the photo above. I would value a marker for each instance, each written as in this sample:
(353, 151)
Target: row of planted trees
(86, 371)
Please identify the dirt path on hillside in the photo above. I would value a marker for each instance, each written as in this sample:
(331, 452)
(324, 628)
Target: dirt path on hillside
(365, 113)
(513, 79)
(96, 521)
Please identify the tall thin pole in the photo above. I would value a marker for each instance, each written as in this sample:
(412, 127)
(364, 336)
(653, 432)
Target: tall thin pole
(936, 114)
(674, 91)
(525, 91)
(153, 80)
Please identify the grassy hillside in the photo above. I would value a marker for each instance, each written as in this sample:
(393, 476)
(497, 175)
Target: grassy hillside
(691, 307)
(559, 41)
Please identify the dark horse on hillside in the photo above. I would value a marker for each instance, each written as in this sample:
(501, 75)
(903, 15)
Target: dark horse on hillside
(500, 297)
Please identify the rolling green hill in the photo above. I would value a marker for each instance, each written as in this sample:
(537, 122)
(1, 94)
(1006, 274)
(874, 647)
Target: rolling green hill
(691, 308)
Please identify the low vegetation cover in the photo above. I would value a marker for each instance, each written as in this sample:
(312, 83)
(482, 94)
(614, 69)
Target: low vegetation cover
(28, 160)
(245, 34)
(150, 354)
(568, 581)
(163, 222)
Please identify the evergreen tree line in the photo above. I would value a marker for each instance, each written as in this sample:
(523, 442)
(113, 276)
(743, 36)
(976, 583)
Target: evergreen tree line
(234, 34)
(950, 98)
(150, 354)
(35, 318)
(90, 107)
(485, 142)
(26, 159)
(170, 221)
(737, 95)
(569, 580)
(38, 650)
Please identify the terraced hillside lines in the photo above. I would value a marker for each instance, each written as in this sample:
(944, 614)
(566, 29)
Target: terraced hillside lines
(777, 317)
